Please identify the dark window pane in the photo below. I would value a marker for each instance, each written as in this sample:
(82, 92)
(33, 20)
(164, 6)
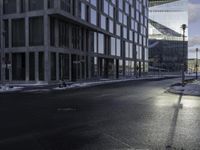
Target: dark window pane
(22, 6)
(18, 66)
(18, 32)
(32, 66)
(53, 66)
(36, 31)
(36, 5)
(50, 3)
(41, 66)
(66, 5)
(52, 31)
(9, 6)
(6, 34)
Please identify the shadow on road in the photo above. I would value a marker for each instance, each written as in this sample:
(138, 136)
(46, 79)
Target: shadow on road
(170, 137)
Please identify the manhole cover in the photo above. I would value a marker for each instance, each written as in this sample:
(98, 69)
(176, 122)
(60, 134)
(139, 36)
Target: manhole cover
(66, 109)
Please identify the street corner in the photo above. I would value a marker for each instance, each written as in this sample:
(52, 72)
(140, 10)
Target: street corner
(190, 88)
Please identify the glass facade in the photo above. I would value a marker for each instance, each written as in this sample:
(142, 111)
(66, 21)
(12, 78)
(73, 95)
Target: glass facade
(85, 39)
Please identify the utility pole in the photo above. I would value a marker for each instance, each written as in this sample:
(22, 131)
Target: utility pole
(197, 50)
(183, 27)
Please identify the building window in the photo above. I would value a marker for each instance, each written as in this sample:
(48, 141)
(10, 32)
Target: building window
(53, 66)
(120, 17)
(50, 3)
(125, 22)
(127, 50)
(93, 16)
(127, 8)
(93, 41)
(125, 32)
(93, 2)
(118, 47)
(9, 6)
(52, 31)
(6, 35)
(18, 66)
(36, 31)
(105, 7)
(118, 29)
(64, 66)
(111, 29)
(32, 66)
(103, 22)
(36, 5)
(66, 5)
(111, 11)
(63, 34)
(120, 4)
(113, 46)
(76, 37)
(18, 32)
(22, 6)
(130, 35)
(41, 66)
(83, 11)
(130, 50)
(101, 43)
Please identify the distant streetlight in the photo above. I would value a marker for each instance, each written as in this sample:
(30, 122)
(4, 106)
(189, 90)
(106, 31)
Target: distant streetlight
(197, 50)
(183, 27)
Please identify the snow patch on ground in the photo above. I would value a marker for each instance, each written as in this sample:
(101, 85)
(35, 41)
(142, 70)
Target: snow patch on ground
(192, 89)
(4, 89)
(101, 82)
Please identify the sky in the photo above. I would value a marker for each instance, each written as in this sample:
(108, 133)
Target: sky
(194, 27)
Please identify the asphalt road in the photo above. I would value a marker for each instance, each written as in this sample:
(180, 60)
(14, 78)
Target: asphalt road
(122, 116)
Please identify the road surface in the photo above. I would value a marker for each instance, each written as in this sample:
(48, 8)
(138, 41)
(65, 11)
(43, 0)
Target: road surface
(121, 116)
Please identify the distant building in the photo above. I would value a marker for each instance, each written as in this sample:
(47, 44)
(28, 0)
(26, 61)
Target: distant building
(192, 65)
(52, 40)
(166, 48)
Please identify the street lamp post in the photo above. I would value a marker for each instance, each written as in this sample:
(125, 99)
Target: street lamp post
(197, 50)
(183, 26)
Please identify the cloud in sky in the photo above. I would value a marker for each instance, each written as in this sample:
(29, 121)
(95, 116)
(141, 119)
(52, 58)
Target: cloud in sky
(194, 12)
(194, 41)
(194, 23)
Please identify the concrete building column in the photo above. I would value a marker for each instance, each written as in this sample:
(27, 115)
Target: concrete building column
(46, 47)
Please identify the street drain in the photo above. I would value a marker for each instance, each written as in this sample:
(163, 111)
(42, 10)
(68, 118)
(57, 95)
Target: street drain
(66, 109)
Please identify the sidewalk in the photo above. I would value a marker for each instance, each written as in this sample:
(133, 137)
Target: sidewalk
(192, 89)
(26, 88)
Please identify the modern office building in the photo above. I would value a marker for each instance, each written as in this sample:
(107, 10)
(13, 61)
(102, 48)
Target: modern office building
(52, 40)
(167, 50)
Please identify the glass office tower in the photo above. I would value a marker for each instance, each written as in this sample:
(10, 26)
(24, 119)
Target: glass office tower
(52, 40)
(167, 50)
